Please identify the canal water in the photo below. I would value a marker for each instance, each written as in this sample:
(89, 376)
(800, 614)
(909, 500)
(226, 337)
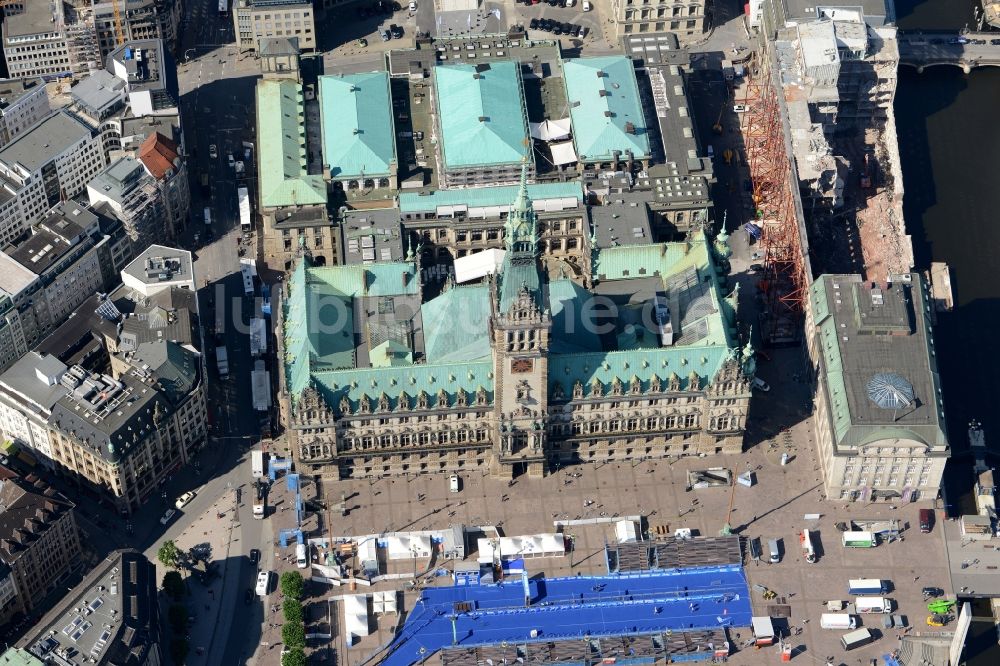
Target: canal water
(949, 135)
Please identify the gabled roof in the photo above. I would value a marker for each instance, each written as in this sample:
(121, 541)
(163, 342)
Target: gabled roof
(357, 124)
(604, 105)
(158, 153)
(284, 178)
(481, 114)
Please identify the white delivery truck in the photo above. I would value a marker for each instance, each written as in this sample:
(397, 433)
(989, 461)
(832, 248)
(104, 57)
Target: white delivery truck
(873, 586)
(843, 621)
(256, 465)
(301, 556)
(869, 605)
(856, 639)
(763, 630)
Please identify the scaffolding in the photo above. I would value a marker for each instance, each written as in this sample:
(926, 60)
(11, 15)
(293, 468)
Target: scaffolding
(777, 215)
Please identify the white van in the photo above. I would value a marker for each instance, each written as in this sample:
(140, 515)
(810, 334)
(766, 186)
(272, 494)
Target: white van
(843, 621)
(873, 605)
(263, 582)
(453, 483)
(301, 556)
(773, 551)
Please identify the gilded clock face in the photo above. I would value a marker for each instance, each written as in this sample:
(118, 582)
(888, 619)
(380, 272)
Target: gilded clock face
(522, 365)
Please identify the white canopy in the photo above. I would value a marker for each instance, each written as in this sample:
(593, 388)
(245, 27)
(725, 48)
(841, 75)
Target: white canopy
(356, 615)
(563, 153)
(403, 546)
(474, 266)
(511, 548)
(551, 130)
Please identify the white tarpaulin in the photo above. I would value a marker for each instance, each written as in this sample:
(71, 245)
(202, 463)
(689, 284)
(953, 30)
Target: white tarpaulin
(478, 265)
(512, 548)
(356, 615)
(402, 546)
(551, 130)
(563, 153)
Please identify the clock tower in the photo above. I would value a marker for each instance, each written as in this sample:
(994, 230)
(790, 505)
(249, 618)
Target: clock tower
(520, 325)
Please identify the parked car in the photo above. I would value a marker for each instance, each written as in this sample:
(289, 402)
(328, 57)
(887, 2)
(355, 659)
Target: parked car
(582, 32)
(213, 152)
(254, 556)
(931, 592)
(397, 31)
(586, 5)
(384, 34)
(760, 385)
(183, 500)
(533, 24)
(248, 596)
(168, 516)
(413, 6)
(995, 42)
(557, 28)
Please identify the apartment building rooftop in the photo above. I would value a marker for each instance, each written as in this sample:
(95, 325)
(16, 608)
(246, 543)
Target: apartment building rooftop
(143, 64)
(108, 415)
(28, 506)
(44, 141)
(35, 377)
(41, 250)
(12, 89)
(14, 278)
(158, 264)
(874, 12)
(119, 178)
(99, 93)
(33, 19)
(70, 220)
(111, 617)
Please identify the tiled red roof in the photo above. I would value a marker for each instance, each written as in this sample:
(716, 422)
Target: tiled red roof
(158, 153)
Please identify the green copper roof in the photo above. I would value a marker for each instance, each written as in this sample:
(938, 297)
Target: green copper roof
(281, 137)
(605, 109)
(456, 325)
(481, 114)
(412, 202)
(624, 262)
(393, 382)
(604, 367)
(18, 657)
(358, 134)
(319, 313)
(390, 354)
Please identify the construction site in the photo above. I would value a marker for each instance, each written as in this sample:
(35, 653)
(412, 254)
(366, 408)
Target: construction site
(821, 147)
(90, 29)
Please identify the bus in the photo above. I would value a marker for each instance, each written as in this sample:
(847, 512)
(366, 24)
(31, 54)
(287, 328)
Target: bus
(256, 465)
(223, 7)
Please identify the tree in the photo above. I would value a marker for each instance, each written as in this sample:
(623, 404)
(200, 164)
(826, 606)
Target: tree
(178, 616)
(292, 585)
(179, 650)
(294, 657)
(173, 585)
(168, 554)
(292, 611)
(294, 635)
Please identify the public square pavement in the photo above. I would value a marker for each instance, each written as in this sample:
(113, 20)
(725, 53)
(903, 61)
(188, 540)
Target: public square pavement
(773, 508)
